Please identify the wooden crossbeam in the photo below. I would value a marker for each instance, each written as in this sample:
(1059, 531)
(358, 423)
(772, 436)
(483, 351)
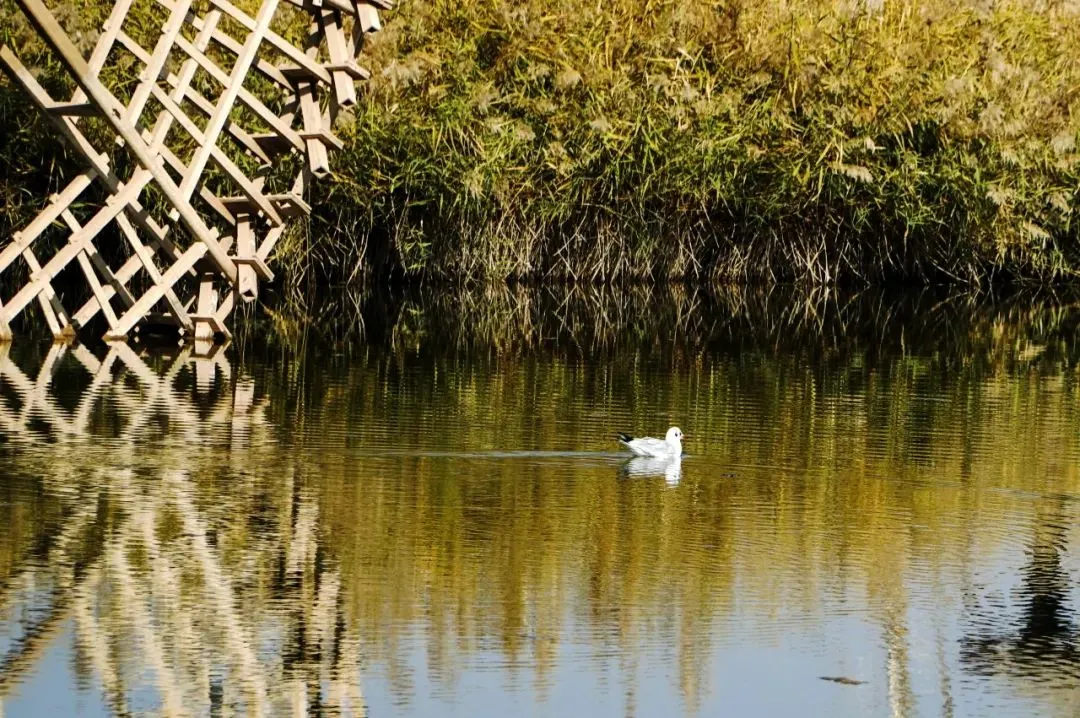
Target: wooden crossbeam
(99, 164)
(100, 168)
(234, 130)
(88, 271)
(253, 103)
(76, 243)
(156, 62)
(262, 66)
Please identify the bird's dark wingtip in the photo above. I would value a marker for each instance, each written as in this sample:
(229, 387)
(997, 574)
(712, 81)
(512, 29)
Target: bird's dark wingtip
(626, 438)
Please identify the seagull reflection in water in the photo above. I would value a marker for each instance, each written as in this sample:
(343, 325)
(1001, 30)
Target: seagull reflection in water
(647, 466)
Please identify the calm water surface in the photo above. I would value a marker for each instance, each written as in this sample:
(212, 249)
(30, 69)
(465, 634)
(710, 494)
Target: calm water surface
(423, 512)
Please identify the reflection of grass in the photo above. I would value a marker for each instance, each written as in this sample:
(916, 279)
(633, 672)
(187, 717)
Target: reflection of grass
(676, 323)
(588, 141)
(870, 438)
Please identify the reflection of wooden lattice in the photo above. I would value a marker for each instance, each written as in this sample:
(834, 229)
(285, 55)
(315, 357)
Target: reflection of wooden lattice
(207, 147)
(191, 610)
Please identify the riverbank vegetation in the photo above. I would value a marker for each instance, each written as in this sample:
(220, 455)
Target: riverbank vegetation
(704, 141)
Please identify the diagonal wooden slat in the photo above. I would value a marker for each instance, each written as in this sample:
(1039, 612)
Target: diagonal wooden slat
(147, 301)
(224, 107)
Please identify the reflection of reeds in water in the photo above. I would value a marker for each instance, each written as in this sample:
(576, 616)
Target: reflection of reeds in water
(900, 429)
(875, 446)
(576, 320)
(223, 613)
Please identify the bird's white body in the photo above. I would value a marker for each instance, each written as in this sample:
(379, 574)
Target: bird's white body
(668, 447)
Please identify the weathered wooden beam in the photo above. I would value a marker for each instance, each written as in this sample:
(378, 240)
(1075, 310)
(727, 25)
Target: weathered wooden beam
(156, 63)
(205, 322)
(234, 130)
(221, 159)
(247, 283)
(99, 164)
(88, 271)
(101, 169)
(75, 244)
(367, 18)
(179, 180)
(344, 89)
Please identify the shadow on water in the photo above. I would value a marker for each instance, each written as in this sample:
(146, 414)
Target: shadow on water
(413, 492)
(1038, 638)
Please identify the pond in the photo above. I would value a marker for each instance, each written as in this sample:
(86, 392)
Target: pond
(413, 504)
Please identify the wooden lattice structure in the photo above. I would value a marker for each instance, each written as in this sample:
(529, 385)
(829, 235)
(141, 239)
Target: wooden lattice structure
(222, 124)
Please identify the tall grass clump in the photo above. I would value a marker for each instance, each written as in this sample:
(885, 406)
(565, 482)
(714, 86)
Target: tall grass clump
(697, 139)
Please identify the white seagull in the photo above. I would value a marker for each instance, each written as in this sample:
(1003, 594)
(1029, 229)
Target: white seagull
(667, 448)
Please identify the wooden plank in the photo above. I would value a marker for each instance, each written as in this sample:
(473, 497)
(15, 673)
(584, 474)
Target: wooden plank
(205, 194)
(52, 32)
(46, 296)
(226, 102)
(129, 269)
(344, 89)
(109, 30)
(220, 158)
(146, 258)
(133, 47)
(88, 271)
(56, 316)
(247, 187)
(162, 48)
(279, 43)
(58, 261)
(228, 302)
(317, 156)
(367, 19)
(147, 301)
(311, 116)
(58, 204)
(262, 66)
(253, 103)
(238, 133)
(106, 40)
(99, 164)
(97, 289)
(204, 329)
(101, 169)
(288, 204)
(247, 284)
